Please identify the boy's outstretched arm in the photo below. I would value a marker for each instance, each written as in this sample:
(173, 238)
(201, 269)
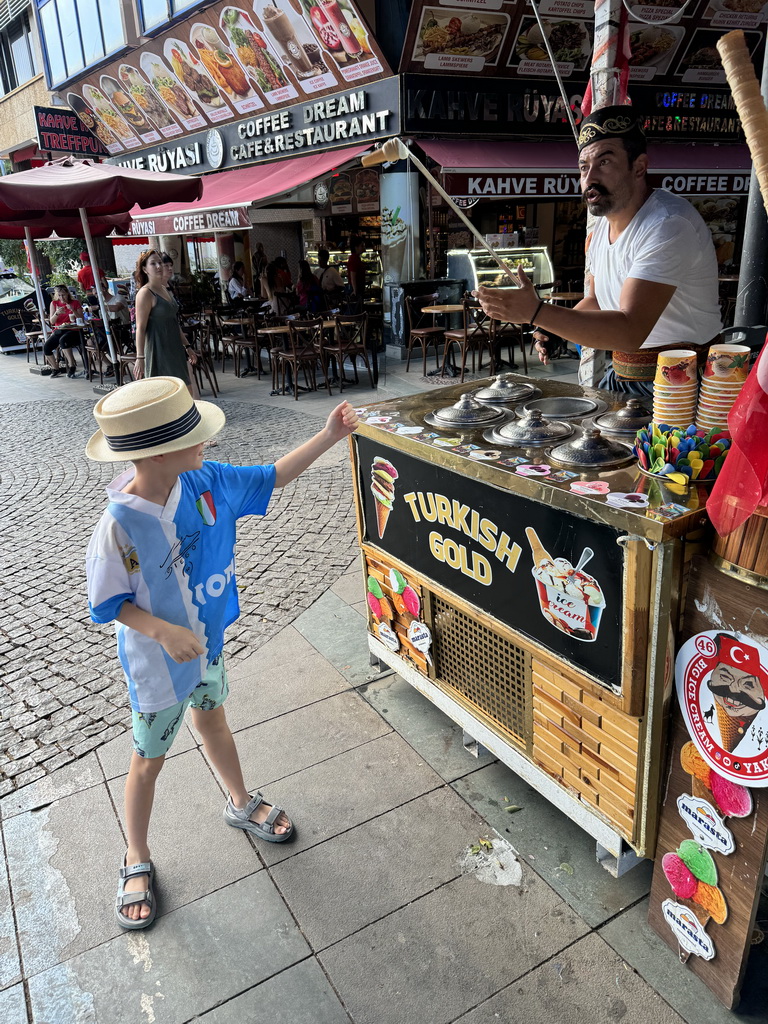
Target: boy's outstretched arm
(341, 423)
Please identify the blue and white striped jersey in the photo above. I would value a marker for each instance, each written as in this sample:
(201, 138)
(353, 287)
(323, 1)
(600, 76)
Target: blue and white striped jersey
(176, 562)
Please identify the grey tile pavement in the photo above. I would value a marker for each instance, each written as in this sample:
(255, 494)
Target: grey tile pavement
(366, 916)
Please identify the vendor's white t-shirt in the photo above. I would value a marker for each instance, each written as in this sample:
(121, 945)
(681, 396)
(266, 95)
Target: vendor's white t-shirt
(666, 241)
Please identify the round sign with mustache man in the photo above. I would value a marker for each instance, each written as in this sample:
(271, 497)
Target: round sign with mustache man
(722, 684)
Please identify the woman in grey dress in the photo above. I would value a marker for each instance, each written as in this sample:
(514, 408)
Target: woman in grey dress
(162, 349)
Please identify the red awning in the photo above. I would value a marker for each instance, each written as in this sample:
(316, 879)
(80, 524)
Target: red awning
(245, 186)
(542, 170)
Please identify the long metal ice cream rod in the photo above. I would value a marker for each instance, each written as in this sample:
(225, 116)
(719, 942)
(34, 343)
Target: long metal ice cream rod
(393, 150)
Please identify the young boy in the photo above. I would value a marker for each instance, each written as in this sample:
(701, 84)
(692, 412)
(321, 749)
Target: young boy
(161, 563)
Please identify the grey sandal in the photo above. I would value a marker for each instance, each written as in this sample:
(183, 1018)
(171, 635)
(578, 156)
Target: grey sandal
(240, 818)
(125, 899)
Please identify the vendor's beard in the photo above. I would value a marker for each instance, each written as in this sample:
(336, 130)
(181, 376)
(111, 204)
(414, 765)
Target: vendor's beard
(754, 705)
(603, 206)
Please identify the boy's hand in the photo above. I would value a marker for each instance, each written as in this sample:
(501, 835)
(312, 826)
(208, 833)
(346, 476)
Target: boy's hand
(180, 643)
(342, 422)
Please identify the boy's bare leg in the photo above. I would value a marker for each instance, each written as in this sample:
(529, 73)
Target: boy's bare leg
(139, 797)
(220, 747)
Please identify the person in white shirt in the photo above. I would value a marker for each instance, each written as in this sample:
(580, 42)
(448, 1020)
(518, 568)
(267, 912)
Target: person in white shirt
(330, 279)
(236, 289)
(653, 281)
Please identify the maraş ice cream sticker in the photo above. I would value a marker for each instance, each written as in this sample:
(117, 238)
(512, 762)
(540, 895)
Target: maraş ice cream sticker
(383, 476)
(688, 930)
(569, 598)
(421, 638)
(388, 636)
(722, 686)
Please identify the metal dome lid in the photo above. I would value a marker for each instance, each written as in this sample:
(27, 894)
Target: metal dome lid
(533, 429)
(467, 412)
(505, 389)
(592, 451)
(627, 420)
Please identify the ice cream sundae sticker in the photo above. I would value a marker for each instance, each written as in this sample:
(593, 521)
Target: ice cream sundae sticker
(383, 476)
(569, 598)
(722, 685)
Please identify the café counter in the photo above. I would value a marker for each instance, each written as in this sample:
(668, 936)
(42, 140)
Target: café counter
(503, 585)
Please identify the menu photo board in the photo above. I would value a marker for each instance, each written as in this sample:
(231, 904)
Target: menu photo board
(350, 192)
(227, 62)
(503, 37)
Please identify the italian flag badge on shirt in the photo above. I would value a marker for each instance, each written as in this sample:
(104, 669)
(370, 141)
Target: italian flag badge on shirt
(206, 508)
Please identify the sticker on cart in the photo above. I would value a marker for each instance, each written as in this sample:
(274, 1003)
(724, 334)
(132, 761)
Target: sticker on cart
(407, 431)
(485, 456)
(426, 436)
(569, 598)
(688, 930)
(534, 469)
(383, 476)
(562, 476)
(669, 510)
(421, 638)
(722, 686)
(705, 824)
(516, 460)
(379, 419)
(590, 487)
(446, 442)
(466, 449)
(620, 499)
(388, 636)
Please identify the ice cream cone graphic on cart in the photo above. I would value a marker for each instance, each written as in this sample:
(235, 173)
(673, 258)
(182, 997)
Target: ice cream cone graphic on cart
(383, 476)
(570, 599)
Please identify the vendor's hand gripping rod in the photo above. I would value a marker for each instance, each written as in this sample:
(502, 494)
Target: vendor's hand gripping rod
(395, 149)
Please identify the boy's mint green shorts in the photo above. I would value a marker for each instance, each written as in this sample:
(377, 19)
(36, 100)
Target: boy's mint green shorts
(154, 732)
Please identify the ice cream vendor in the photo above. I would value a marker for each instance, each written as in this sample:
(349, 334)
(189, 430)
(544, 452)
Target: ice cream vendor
(652, 270)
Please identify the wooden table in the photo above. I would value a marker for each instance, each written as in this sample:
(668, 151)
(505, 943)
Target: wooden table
(565, 296)
(452, 307)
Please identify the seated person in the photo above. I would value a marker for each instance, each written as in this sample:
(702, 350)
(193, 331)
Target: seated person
(330, 280)
(236, 288)
(65, 310)
(118, 312)
(308, 289)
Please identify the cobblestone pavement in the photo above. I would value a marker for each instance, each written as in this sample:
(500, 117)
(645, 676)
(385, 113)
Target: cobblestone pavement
(63, 693)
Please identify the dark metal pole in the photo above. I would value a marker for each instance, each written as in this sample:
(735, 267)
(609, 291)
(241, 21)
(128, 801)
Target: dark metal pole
(752, 296)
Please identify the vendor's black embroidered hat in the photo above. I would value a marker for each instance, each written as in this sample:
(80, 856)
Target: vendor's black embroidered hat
(611, 123)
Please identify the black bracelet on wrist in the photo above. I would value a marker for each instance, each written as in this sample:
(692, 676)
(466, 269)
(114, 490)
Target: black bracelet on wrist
(532, 321)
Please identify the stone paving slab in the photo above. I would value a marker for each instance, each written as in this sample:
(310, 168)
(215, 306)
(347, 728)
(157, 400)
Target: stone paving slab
(586, 982)
(195, 852)
(62, 894)
(300, 995)
(287, 744)
(64, 692)
(189, 962)
(285, 674)
(13, 1006)
(72, 778)
(10, 967)
(556, 848)
(445, 953)
(636, 942)
(429, 731)
(344, 791)
(335, 630)
(381, 865)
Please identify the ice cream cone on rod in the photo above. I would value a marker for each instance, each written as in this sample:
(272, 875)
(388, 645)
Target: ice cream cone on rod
(745, 88)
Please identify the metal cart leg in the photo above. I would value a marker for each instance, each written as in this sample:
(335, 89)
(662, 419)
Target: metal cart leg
(620, 865)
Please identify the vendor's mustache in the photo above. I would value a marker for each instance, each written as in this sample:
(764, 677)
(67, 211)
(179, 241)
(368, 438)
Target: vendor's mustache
(723, 690)
(600, 189)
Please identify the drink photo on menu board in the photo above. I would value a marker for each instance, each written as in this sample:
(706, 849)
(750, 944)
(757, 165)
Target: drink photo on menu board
(191, 73)
(147, 100)
(338, 27)
(295, 47)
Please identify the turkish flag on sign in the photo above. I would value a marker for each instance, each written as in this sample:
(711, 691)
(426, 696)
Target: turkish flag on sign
(743, 481)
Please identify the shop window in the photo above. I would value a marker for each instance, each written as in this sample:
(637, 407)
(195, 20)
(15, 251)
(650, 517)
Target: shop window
(77, 34)
(17, 57)
(157, 13)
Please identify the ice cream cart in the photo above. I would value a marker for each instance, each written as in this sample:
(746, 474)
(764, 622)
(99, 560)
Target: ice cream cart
(525, 575)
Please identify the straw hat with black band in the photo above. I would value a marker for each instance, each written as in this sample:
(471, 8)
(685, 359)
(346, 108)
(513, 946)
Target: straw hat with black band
(149, 417)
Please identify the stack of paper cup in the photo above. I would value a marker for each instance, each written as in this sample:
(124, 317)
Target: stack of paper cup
(724, 375)
(675, 388)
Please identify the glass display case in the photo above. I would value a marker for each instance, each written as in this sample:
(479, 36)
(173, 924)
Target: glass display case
(338, 259)
(477, 267)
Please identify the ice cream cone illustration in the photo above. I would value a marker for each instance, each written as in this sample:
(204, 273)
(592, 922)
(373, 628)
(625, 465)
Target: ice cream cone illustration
(383, 476)
(730, 734)
(569, 598)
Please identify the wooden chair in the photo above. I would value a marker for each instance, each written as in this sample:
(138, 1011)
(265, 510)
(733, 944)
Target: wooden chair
(474, 336)
(126, 352)
(33, 329)
(349, 341)
(305, 342)
(420, 333)
(198, 337)
(508, 334)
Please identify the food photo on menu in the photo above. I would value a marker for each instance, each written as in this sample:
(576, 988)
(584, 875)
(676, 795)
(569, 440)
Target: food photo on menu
(701, 61)
(171, 91)
(109, 116)
(219, 62)
(128, 110)
(252, 49)
(145, 97)
(190, 71)
(86, 114)
(569, 41)
(653, 46)
(450, 33)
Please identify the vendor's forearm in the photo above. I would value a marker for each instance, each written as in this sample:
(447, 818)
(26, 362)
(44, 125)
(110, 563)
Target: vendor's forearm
(587, 324)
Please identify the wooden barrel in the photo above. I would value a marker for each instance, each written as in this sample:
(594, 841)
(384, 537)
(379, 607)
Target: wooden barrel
(747, 546)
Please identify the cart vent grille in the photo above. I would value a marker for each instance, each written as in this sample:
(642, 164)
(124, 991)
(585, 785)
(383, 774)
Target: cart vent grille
(484, 668)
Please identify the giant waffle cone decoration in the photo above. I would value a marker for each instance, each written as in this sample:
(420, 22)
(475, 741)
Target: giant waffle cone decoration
(729, 730)
(745, 88)
(382, 515)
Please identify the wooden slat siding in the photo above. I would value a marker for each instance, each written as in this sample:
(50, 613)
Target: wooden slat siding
(635, 626)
